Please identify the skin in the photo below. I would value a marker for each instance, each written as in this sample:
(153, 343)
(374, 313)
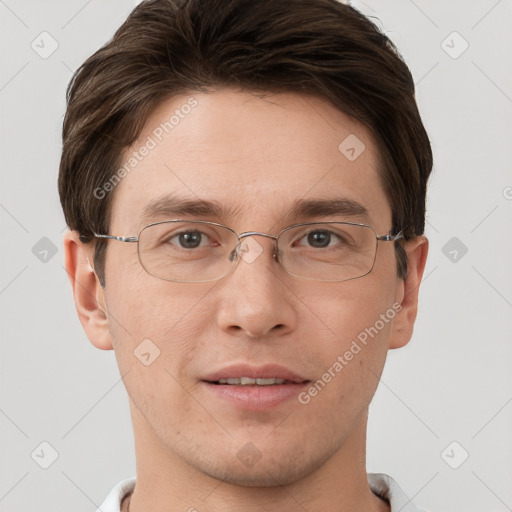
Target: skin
(258, 155)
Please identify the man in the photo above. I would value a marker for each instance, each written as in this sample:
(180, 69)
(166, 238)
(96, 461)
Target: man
(244, 184)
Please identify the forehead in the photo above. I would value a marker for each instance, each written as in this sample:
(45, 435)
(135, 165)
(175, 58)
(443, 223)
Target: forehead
(252, 158)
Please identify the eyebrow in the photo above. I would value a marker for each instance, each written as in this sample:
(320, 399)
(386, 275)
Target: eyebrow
(329, 207)
(173, 205)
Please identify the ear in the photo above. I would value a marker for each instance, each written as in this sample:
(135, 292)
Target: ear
(87, 291)
(407, 292)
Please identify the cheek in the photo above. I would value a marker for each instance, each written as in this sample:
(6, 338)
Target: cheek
(358, 319)
(344, 310)
(146, 312)
(155, 328)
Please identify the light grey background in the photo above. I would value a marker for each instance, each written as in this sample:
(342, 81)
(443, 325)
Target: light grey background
(452, 383)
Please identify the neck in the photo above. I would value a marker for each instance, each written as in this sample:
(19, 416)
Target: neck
(166, 482)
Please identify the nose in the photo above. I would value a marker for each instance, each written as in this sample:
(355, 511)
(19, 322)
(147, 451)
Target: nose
(257, 298)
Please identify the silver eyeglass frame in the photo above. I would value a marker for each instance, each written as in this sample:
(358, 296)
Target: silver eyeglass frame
(240, 236)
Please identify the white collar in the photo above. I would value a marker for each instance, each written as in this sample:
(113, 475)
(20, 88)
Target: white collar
(381, 485)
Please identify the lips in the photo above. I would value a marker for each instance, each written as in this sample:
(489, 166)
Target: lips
(254, 389)
(247, 374)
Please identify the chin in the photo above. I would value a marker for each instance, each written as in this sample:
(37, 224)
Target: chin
(268, 476)
(262, 470)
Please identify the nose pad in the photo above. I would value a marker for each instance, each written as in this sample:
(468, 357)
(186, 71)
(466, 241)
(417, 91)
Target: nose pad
(276, 254)
(234, 253)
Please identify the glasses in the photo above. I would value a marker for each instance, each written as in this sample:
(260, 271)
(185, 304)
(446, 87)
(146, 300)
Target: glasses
(201, 251)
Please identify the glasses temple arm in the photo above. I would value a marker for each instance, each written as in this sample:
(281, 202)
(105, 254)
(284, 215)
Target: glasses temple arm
(119, 238)
(391, 238)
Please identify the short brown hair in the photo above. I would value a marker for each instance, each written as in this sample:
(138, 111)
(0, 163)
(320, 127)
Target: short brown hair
(169, 47)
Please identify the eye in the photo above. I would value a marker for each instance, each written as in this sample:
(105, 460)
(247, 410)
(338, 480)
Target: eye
(320, 238)
(189, 239)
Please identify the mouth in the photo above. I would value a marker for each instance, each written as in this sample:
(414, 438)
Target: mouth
(255, 388)
(247, 375)
(248, 381)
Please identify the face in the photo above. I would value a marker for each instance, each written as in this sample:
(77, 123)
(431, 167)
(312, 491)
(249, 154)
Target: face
(256, 158)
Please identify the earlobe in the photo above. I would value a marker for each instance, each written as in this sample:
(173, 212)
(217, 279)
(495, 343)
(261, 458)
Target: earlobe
(407, 292)
(87, 291)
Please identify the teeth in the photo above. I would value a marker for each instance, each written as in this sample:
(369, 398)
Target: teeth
(247, 381)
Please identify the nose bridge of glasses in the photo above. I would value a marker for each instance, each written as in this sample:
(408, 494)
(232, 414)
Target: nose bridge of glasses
(245, 234)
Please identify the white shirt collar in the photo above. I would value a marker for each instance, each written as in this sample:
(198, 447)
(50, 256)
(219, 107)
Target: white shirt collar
(381, 484)
(385, 487)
